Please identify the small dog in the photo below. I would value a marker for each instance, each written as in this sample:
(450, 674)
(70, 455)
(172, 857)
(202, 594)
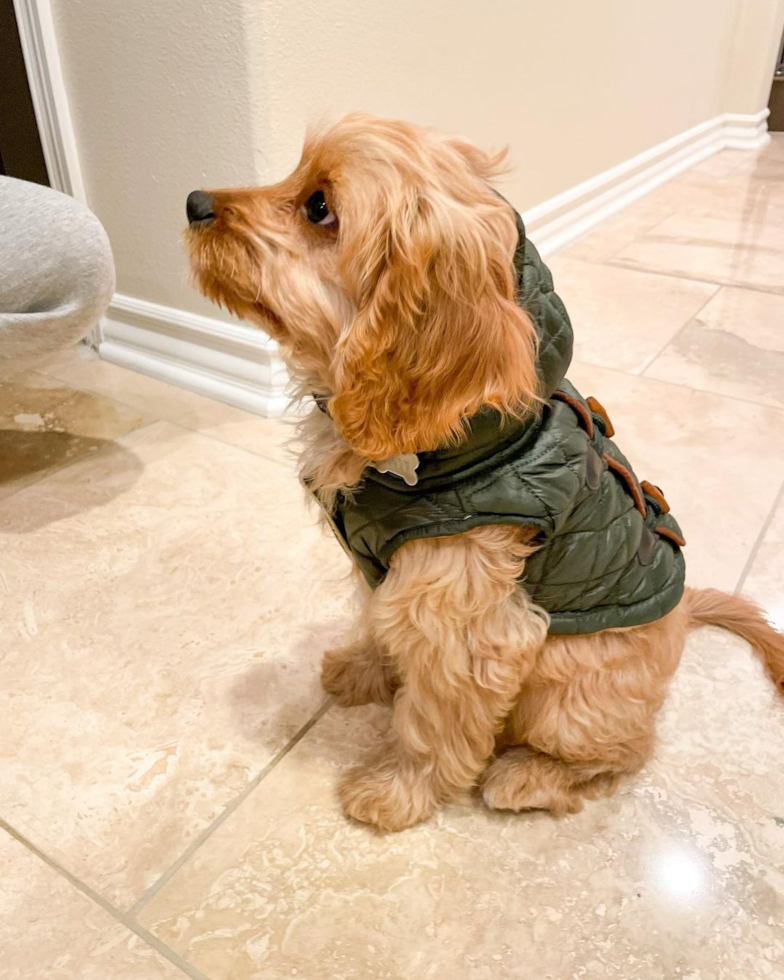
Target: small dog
(394, 279)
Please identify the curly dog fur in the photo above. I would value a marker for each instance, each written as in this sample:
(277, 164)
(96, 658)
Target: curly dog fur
(398, 307)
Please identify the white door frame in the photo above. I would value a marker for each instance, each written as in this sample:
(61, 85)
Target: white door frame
(50, 101)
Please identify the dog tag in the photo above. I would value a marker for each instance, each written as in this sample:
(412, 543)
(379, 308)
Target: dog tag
(404, 466)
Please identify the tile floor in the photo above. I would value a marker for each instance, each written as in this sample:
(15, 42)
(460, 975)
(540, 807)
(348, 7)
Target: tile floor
(169, 761)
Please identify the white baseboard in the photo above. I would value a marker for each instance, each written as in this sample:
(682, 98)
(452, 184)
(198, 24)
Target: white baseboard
(559, 221)
(226, 361)
(239, 365)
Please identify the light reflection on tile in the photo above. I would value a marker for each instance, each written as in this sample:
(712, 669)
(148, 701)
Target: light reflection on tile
(753, 191)
(673, 876)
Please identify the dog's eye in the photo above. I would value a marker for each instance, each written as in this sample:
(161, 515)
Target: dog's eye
(316, 209)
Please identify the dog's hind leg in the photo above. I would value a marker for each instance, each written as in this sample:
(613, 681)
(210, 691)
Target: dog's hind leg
(523, 779)
(585, 717)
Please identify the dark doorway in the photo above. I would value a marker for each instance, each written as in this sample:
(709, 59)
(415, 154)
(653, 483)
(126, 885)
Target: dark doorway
(21, 154)
(776, 103)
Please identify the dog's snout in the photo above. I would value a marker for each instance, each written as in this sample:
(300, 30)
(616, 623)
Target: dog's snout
(199, 206)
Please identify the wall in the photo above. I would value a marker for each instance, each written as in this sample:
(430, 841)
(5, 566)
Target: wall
(573, 87)
(756, 37)
(159, 93)
(171, 95)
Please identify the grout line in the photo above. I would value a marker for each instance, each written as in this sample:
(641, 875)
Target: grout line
(607, 259)
(682, 387)
(124, 919)
(166, 418)
(189, 851)
(679, 331)
(616, 263)
(619, 264)
(758, 543)
(284, 464)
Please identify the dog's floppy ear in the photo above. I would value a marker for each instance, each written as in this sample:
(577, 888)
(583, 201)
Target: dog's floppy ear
(484, 165)
(437, 332)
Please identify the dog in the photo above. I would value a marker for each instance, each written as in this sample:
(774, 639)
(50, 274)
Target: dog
(386, 268)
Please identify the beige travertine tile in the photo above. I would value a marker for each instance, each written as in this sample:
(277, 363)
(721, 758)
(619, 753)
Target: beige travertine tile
(132, 388)
(768, 165)
(739, 193)
(734, 346)
(725, 162)
(46, 363)
(45, 424)
(765, 578)
(718, 461)
(51, 931)
(616, 232)
(266, 437)
(744, 249)
(674, 876)
(603, 301)
(164, 608)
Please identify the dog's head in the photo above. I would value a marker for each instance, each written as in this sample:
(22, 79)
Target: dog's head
(383, 267)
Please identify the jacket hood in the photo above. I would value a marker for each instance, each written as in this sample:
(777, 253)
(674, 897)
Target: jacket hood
(536, 295)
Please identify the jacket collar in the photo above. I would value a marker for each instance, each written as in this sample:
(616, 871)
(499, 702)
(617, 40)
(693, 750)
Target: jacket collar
(489, 437)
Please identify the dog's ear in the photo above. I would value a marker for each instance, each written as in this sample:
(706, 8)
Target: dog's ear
(437, 332)
(484, 165)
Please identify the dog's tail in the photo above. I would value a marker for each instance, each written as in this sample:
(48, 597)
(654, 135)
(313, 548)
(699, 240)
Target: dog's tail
(709, 607)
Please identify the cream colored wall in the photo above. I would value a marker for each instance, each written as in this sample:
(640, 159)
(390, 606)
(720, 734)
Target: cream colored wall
(573, 87)
(171, 95)
(756, 37)
(159, 91)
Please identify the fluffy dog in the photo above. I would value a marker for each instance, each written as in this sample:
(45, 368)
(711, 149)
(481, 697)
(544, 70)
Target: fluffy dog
(383, 267)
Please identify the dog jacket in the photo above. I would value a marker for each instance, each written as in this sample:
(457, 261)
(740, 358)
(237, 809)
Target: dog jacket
(609, 550)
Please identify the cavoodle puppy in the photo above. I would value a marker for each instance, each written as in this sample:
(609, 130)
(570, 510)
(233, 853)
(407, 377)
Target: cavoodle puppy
(525, 604)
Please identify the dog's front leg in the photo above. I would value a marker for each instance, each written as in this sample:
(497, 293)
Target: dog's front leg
(462, 635)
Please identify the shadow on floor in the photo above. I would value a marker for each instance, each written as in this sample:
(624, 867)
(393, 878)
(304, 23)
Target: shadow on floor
(263, 691)
(26, 456)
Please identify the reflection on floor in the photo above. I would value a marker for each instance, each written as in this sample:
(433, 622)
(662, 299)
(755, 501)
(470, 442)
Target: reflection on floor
(167, 798)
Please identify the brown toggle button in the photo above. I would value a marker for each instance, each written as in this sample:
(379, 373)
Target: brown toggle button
(657, 495)
(667, 532)
(578, 408)
(629, 479)
(598, 409)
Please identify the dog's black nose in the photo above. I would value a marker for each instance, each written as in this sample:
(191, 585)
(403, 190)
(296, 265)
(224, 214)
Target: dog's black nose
(199, 206)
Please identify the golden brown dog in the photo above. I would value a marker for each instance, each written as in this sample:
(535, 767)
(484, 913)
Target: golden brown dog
(383, 268)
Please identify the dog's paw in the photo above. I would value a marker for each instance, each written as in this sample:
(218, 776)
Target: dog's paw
(355, 676)
(521, 781)
(383, 797)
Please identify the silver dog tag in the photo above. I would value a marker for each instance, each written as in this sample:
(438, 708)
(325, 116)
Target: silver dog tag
(404, 466)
